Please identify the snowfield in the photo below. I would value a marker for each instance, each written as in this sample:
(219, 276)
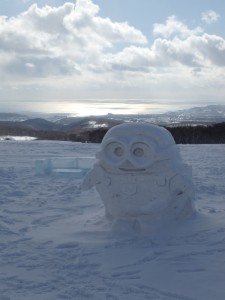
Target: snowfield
(56, 244)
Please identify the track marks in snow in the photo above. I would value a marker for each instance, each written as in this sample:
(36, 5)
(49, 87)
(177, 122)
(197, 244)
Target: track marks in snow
(133, 291)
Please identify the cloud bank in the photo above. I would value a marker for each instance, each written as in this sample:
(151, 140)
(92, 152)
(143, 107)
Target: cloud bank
(59, 40)
(70, 52)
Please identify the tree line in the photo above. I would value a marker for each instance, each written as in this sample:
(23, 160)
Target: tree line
(199, 134)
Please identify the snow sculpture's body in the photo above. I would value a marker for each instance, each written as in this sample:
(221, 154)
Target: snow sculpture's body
(139, 174)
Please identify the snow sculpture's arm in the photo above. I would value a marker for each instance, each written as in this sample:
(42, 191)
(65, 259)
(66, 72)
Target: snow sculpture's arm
(182, 193)
(181, 179)
(92, 178)
(179, 185)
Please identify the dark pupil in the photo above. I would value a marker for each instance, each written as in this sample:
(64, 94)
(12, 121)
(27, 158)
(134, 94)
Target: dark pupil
(118, 151)
(138, 152)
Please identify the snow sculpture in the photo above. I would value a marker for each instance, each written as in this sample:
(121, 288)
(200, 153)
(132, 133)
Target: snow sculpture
(140, 175)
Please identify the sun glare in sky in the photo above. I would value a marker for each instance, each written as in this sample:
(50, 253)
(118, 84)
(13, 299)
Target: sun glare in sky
(105, 107)
(96, 107)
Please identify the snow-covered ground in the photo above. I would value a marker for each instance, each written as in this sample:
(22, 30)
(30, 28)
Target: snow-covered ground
(55, 243)
(17, 138)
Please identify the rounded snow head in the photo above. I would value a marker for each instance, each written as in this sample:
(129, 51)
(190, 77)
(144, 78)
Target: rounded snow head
(136, 146)
(160, 135)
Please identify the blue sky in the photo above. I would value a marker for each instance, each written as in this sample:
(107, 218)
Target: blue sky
(100, 56)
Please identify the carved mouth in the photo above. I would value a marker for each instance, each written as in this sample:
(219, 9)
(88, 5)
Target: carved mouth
(132, 170)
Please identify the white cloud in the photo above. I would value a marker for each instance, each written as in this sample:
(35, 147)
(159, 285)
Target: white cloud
(193, 52)
(174, 27)
(70, 51)
(189, 63)
(210, 16)
(58, 40)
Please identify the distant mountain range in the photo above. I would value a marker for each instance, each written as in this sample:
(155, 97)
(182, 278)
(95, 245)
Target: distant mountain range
(195, 115)
(66, 124)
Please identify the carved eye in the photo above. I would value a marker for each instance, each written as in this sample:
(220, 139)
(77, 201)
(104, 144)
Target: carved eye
(118, 151)
(138, 152)
(141, 154)
(114, 153)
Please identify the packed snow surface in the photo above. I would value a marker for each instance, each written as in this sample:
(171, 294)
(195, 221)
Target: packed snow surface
(56, 244)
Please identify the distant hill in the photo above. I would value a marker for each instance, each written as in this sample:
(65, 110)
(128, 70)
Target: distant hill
(198, 115)
(13, 117)
(90, 123)
(41, 124)
(187, 126)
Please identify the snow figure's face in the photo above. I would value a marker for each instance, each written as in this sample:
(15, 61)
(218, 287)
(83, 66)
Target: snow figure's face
(134, 147)
(134, 155)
